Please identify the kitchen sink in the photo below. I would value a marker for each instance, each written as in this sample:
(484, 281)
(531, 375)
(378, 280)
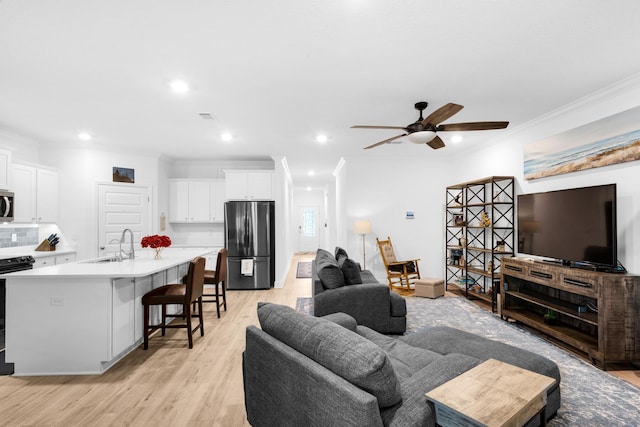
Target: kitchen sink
(103, 260)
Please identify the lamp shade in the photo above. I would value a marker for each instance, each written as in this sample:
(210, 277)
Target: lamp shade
(362, 226)
(421, 137)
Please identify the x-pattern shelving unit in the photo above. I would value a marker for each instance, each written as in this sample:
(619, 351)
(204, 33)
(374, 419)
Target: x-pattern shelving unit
(474, 250)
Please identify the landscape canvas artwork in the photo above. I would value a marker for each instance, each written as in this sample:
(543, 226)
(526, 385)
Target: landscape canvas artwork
(609, 141)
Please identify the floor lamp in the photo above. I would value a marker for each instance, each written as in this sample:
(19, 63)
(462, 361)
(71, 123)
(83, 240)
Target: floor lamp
(363, 227)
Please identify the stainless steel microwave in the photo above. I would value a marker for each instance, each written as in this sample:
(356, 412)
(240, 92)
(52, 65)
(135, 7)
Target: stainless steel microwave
(6, 206)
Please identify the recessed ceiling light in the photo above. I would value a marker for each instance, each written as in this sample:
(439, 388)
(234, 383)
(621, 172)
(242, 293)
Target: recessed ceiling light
(321, 138)
(84, 136)
(311, 173)
(456, 138)
(226, 137)
(308, 188)
(179, 86)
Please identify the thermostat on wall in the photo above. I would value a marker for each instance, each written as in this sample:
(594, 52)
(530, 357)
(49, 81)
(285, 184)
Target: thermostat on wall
(410, 215)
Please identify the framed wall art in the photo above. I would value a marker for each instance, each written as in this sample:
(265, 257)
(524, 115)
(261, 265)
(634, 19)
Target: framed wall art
(124, 175)
(609, 141)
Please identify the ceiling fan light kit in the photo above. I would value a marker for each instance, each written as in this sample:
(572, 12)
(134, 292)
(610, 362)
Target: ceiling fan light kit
(424, 131)
(421, 137)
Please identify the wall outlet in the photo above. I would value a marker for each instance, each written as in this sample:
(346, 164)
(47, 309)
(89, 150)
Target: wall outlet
(14, 237)
(59, 301)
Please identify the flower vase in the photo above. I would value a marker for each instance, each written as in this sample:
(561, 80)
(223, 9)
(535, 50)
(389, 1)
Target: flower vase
(157, 253)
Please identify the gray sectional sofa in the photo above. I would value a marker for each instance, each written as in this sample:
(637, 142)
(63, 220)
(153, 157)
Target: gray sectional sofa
(339, 286)
(301, 370)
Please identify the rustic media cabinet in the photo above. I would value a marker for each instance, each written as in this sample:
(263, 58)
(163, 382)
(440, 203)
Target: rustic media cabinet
(597, 314)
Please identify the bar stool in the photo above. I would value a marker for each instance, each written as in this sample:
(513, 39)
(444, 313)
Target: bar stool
(218, 279)
(185, 294)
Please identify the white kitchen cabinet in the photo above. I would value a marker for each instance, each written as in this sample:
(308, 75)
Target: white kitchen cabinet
(178, 201)
(217, 199)
(63, 259)
(122, 318)
(249, 185)
(5, 161)
(142, 286)
(36, 194)
(52, 259)
(44, 261)
(195, 201)
(47, 195)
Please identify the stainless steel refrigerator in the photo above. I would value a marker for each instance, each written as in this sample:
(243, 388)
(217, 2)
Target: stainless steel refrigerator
(249, 239)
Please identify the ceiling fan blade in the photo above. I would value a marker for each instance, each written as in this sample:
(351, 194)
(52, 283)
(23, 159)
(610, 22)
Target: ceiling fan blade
(377, 127)
(473, 126)
(436, 143)
(442, 114)
(385, 141)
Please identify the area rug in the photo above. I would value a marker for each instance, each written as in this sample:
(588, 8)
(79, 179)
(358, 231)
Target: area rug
(305, 305)
(590, 396)
(304, 270)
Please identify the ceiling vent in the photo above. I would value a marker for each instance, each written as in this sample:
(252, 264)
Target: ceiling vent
(206, 116)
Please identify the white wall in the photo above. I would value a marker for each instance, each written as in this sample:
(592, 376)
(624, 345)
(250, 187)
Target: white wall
(505, 157)
(213, 169)
(339, 212)
(22, 148)
(383, 190)
(330, 215)
(283, 196)
(79, 172)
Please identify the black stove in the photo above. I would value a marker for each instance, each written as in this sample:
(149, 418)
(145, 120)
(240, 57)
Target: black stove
(19, 263)
(9, 265)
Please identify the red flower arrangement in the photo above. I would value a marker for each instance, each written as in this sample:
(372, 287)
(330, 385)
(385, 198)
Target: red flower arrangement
(155, 241)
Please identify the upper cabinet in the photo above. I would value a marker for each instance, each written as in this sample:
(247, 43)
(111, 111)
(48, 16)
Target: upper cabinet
(196, 201)
(5, 161)
(217, 198)
(249, 185)
(36, 194)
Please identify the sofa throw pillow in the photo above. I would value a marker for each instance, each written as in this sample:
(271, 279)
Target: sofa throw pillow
(340, 252)
(328, 271)
(338, 349)
(350, 270)
(323, 254)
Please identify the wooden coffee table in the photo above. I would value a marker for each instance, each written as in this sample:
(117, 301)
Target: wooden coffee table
(491, 394)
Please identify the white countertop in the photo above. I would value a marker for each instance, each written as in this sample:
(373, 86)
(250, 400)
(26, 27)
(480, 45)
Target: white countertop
(143, 265)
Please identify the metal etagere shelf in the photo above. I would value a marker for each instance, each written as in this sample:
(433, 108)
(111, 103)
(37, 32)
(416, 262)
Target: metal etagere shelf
(480, 217)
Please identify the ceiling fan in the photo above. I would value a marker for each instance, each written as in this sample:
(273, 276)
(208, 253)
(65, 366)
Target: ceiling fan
(423, 131)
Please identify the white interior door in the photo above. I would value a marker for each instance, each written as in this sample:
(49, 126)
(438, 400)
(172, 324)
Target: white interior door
(308, 229)
(120, 207)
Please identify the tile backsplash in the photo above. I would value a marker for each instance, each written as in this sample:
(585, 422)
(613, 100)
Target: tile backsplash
(24, 236)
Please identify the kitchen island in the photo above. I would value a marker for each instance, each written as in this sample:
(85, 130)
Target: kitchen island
(82, 317)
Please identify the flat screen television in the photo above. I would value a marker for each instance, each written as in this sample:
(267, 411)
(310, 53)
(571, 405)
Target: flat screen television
(575, 226)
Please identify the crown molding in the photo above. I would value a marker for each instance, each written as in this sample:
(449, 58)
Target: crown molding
(605, 94)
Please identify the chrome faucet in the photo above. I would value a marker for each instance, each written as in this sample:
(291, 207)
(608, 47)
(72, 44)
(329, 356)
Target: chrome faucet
(132, 253)
(119, 256)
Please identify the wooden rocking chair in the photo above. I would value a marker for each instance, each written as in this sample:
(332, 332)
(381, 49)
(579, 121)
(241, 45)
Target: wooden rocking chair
(403, 273)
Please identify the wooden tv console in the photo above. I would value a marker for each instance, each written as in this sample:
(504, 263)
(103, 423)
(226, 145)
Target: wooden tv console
(529, 289)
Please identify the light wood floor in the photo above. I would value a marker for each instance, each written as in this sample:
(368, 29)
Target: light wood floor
(165, 385)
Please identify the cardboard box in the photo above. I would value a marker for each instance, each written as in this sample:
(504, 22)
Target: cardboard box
(429, 288)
